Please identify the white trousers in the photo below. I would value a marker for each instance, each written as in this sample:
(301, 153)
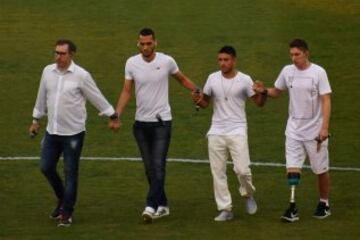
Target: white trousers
(219, 148)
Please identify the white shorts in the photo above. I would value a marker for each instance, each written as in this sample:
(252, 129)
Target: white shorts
(296, 152)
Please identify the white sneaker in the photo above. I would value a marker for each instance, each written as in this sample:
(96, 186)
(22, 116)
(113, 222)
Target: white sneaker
(224, 216)
(251, 206)
(161, 212)
(148, 214)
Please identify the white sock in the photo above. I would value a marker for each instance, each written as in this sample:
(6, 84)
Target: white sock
(326, 201)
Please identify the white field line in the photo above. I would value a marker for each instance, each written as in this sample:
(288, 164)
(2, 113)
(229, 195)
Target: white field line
(182, 160)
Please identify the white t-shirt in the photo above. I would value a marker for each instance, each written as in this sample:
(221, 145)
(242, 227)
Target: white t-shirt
(229, 96)
(151, 85)
(305, 88)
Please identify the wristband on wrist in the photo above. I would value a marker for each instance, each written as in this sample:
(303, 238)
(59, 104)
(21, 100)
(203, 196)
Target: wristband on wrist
(115, 116)
(265, 92)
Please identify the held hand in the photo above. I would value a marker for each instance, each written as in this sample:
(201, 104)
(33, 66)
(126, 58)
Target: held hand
(114, 124)
(34, 129)
(197, 96)
(259, 87)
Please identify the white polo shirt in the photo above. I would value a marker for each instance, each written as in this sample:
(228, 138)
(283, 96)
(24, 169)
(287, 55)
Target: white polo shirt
(228, 96)
(305, 88)
(151, 85)
(62, 96)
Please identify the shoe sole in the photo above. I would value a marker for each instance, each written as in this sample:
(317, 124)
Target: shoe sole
(160, 216)
(147, 218)
(322, 217)
(64, 224)
(290, 220)
(223, 220)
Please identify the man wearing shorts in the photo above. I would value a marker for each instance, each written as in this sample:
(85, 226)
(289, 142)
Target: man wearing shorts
(307, 129)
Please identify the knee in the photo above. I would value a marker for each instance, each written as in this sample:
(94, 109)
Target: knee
(293, 178)
(46, 170)
(242, 171)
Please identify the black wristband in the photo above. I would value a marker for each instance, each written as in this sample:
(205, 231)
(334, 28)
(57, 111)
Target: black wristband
(115, 116)
(265, 92)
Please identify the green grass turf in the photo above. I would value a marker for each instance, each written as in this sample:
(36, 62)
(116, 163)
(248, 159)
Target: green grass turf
(111, 198)
(191, 31)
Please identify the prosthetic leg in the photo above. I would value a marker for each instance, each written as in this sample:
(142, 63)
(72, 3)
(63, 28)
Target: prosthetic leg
(291, 214)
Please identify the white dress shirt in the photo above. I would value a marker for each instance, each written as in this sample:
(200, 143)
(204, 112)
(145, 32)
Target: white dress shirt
(62, 96)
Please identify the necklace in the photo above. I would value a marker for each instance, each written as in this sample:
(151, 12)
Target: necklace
(226, 91)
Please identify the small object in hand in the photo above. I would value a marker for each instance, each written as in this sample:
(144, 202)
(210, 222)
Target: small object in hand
(197, 91)
(319, 141)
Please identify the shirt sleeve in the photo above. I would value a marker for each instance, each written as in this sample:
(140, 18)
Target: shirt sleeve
(128, 72)
(249, 89)
(280, 82)
(173, 67)
(94, 95)
(40, 108)
(324, 85)
(207, 87)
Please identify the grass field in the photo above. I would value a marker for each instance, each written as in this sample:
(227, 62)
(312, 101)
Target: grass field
(112, 193)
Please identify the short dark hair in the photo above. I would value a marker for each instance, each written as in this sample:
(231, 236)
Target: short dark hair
(147, 32)
(71, 44)
(228, 50)
(299, 43)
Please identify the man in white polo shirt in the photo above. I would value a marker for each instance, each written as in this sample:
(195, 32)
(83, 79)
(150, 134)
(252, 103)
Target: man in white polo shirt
(228, 89)
(64, 89)
(307, 129)
(149, 71)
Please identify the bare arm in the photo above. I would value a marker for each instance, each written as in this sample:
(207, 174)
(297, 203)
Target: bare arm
(185, 81)
(260, 89)
(124, 99)
(273, 92)
(261, 94)
(326, 113)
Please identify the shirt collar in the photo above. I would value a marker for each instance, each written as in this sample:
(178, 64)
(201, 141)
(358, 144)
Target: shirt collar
(71, 67)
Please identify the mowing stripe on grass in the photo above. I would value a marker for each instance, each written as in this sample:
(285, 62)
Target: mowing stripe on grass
(182, 160)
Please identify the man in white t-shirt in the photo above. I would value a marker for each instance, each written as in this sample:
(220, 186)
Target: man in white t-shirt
(307, 129)
(149, 71)
(228, 89)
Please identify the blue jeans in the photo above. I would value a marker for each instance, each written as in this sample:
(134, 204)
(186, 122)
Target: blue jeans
(153, 139)
(52, 148)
